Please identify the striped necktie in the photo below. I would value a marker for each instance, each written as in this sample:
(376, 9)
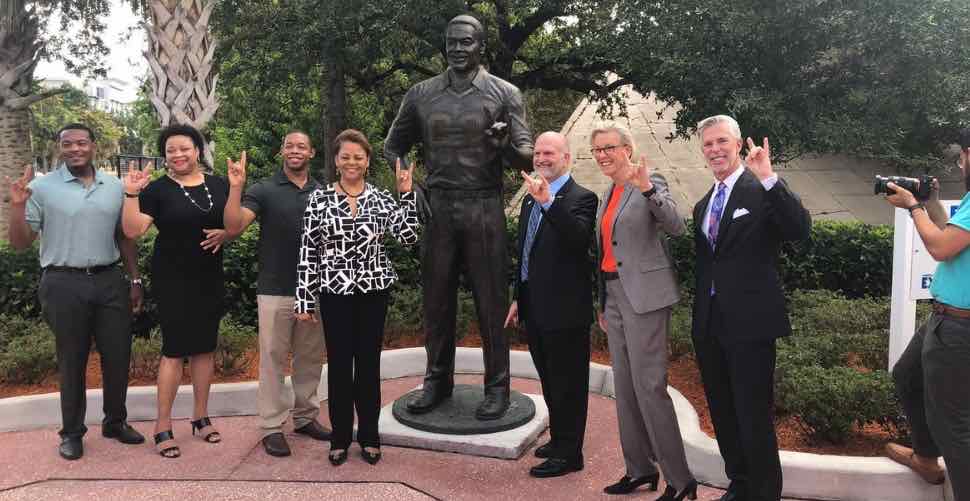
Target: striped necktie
(714, 220)
(530, 236)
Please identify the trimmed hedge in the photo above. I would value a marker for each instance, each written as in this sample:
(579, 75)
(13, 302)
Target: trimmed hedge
(853, 258)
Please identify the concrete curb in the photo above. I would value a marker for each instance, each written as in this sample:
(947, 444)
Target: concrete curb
(812, 476)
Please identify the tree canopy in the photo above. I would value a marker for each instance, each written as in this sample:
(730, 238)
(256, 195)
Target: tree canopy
(885, 79)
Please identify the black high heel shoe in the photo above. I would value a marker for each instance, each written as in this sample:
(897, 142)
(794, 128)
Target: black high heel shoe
(689, 492)
(371, 457)
(204, 427)
(627, 485)
(339, 458)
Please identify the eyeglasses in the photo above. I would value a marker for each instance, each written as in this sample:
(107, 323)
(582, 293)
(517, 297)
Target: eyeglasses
(609, 149)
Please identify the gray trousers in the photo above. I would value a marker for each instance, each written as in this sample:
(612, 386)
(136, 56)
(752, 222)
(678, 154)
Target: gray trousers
(649, 432)
(78, 307)
(933, 383)
(280, 334)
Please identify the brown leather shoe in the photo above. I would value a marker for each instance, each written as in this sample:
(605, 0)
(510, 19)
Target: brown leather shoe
(928, 468)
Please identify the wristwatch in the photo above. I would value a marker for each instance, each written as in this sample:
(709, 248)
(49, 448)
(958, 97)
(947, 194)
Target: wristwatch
(651, 192)
(919, 205)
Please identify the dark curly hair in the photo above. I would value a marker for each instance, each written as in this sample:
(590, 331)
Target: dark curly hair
(183, 130)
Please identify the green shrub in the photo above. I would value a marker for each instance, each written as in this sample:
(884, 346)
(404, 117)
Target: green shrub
(30, 355)
(235, 347)
(19, 278)
(680, 325)
(830, 401)
(145, 354)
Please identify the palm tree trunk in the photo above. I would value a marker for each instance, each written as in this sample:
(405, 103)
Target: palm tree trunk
(19, 45)
(181, 49)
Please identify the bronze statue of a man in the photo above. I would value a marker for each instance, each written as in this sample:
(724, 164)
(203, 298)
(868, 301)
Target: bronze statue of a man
(469, 122)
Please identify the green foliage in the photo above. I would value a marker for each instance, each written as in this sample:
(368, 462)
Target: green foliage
(883, 80)
(830, 401)
(19, 277)
(27, 350)
(49, 115)
(850, 257)
(831, 372)
(236, 344)
(679, 341)
(145, 354)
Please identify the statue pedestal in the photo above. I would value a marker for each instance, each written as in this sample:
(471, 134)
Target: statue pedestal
(452, 426)
(456, 415)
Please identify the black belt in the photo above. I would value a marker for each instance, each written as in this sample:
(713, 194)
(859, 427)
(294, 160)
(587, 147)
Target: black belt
(610, 275)
(90, 270)
(951, 311)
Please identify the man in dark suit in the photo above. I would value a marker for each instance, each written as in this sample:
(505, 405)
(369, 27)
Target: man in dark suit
(739, 308)
(554, 296)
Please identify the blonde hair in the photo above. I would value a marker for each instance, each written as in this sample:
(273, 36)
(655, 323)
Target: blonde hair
(626, 137)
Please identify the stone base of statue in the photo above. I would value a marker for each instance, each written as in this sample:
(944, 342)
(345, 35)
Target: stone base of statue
(456, 415)
(453, 427)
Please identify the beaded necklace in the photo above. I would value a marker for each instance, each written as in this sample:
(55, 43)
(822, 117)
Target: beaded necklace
(186, 193)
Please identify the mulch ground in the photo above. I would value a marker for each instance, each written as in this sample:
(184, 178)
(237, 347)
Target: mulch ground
(682, 375)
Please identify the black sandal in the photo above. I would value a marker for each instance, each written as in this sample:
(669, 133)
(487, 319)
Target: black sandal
(166, 446)
(208, 432)
(339, 458)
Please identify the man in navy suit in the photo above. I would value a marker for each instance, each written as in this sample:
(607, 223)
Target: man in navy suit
(739, 308)
(554, 297)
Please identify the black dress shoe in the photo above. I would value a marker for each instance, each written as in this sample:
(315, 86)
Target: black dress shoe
(275, 445)
(730, 496)
(314, 430)
(627, 485)
(123, 433)
(427, 401)
(545, 450)
(493, 407)
(338, 456)
(735, 492)
(689, 492)
(371, 457)
(555, 467)
(71, 448)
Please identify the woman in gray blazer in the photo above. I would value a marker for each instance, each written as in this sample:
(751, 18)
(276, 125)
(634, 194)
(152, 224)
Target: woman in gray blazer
(638, 287)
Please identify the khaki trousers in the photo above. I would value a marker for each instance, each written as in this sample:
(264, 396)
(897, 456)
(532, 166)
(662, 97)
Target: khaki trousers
(279, 335)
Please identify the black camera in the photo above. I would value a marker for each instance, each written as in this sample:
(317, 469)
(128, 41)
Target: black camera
(919, 187)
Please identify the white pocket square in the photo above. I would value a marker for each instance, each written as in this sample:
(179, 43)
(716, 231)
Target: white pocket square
(740, 212)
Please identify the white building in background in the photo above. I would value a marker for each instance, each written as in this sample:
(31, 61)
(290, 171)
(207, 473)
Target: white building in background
(112, 95)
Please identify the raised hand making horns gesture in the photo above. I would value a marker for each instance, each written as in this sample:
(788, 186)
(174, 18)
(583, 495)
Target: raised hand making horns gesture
(759, 160)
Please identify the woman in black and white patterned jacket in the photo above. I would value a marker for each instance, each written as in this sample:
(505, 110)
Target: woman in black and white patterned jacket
(342, 260)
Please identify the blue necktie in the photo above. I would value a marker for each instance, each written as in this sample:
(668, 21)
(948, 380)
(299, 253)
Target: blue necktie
(530, 237)
(714, 220)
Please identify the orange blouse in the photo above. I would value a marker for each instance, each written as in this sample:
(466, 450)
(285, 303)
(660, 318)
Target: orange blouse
(606, 228)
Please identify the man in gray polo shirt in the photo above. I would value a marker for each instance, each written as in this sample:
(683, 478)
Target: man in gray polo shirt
(83, 292)
(279, 202)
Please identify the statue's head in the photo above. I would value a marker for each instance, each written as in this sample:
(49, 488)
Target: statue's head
(464, 43)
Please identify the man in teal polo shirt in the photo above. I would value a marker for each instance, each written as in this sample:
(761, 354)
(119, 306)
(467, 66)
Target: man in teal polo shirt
(933, 375)
(83, 292)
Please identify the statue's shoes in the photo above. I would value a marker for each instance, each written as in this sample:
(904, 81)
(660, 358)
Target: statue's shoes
(493, 407)
(427, 401)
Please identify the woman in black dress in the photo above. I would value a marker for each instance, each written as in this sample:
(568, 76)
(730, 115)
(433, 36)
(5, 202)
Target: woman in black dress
(186, 206)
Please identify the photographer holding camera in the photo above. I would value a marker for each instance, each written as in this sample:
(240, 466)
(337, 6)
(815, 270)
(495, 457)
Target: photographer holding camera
(932, 376)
